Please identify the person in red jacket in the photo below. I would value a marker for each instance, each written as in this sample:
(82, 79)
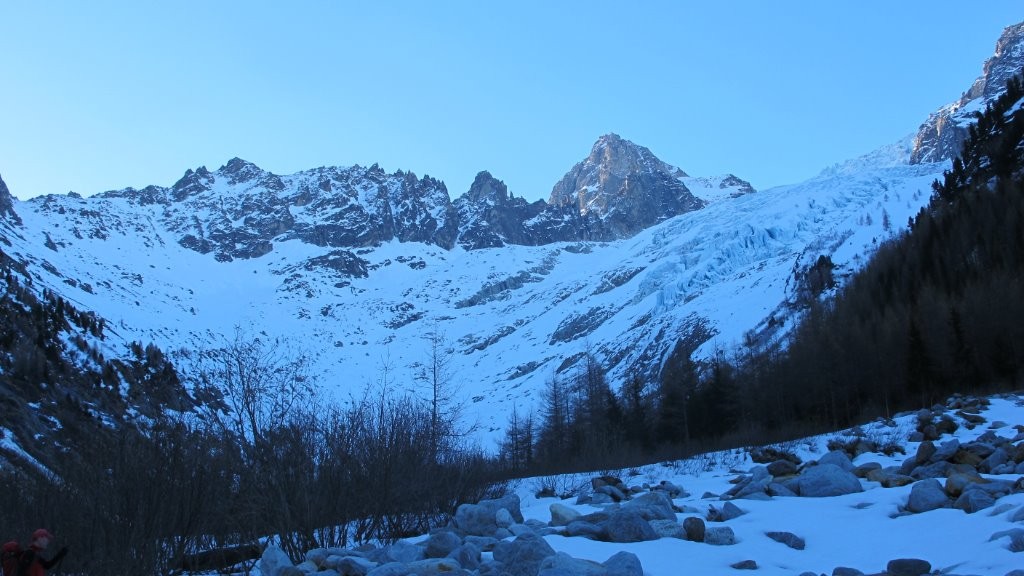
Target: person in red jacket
(32, 561)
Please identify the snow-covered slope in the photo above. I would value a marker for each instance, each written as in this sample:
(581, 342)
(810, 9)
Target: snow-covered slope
(513, 317)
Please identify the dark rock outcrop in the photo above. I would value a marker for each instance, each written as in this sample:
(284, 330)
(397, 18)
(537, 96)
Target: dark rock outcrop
(943, 134)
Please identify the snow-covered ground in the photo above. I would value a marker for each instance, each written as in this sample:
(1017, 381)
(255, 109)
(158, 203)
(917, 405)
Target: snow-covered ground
(862, 531)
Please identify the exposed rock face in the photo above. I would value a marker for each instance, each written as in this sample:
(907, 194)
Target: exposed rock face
(241, 210)
(620, 189)
(942, 135)
(7, 204)
(490, 217)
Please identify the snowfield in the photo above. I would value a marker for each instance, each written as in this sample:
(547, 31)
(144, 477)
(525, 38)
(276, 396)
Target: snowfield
(512, 317)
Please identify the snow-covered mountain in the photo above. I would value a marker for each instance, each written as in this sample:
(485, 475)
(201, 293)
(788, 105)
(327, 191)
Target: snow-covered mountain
(360, 268)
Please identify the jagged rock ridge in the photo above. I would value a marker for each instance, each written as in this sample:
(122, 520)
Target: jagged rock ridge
(942, 135)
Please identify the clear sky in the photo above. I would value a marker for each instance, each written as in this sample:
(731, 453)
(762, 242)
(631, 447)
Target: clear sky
(103, 95)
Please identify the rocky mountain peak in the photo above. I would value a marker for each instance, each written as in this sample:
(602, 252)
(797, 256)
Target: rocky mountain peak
(942, 135)
(487, 189)
(624, 187)
(193, 182)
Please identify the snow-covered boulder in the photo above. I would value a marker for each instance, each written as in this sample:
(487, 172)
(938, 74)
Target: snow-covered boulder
(827, 480)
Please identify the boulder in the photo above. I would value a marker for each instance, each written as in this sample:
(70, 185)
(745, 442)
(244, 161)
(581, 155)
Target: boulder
(671, 489)
(754, 486)
(484, 543)
(694, 528)
(403, 552)
(652, 506)
(782, 468)
(931, 470)
(584, 529)
(522, 556)
(481, 519)
(727, 512)
(354, 566)
(973, 500)
(844, 571)
(623, 564)
(925, 452)
(777, 489)
(626, 525)
(863, 470)
(744, 565)
(837, 458)
(1017, 515)
(719, 536)
(927, 495)
(562, 564)
(562, 515)
(908, 567)
(274, 561)
(434, 567)
(956, 482)
(467, 555)
(440, 544)
(945, 451)
(1016, 536)
(997, 458)
(827, 480)
(788, 538)
(668, 529)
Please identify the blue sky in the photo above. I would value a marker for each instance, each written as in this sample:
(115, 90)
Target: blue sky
(104, 95)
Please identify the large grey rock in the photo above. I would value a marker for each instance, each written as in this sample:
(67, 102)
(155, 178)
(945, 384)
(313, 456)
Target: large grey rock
(671, 489)
(562, 515)
(727, 512)
(826, 480)
(623, 564)
(719, 536)
(562, 564)
(652, 506)
(468, 556)
(694, 528)
(523, 556)
(782, 468)
(402, 552)
(932, 470)
(354, 566)
(908, 567)
(629, 526)
(837, 458)
(1016, 539)
(442, 543)
(754, 486)
(585, 529)
(668, 529)
(274, 561)
(777, 489)
(927, 495)
(481, 519)
(946, 450)
(788, 538)
(973, 500)
(998, 457)
(435, 567)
